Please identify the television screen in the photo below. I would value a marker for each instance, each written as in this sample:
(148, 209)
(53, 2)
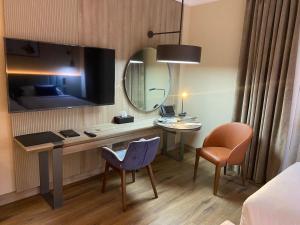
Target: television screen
(45, 76)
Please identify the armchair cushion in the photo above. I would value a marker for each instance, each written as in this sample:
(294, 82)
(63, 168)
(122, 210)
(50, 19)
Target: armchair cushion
(216, 155)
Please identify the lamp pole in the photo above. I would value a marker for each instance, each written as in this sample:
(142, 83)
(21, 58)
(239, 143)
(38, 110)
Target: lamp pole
(181, 22)
(151, 34)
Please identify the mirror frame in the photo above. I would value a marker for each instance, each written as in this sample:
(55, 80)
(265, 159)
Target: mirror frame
(124, 83)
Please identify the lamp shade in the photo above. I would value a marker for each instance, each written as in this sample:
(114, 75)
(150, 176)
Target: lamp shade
(185, 54)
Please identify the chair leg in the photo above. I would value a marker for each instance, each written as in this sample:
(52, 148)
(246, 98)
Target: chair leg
(150, 173)
(225, 170)
(123, 186)
(243, 174)
(217, 178)
(196, 166)
(105, 176)
(133, 176)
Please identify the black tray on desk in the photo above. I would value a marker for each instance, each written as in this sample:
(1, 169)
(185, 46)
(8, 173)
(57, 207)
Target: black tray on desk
(38, 138)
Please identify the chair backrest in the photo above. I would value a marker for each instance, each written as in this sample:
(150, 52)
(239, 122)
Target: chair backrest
(140, 153)
(235, 136)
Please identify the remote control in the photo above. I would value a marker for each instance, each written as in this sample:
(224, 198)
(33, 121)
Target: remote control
(90, 134)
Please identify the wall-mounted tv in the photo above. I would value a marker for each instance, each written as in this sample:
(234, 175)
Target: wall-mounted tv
(45, 76)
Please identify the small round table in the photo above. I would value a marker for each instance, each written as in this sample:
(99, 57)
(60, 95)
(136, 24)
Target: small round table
(185, 125)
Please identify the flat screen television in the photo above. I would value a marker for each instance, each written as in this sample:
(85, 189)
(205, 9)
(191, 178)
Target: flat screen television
(44, 76)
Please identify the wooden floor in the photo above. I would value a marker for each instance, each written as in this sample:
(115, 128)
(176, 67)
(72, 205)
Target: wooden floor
(180, 201)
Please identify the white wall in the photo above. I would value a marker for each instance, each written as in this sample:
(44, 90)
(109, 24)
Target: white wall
(6, 160)
(217, 27)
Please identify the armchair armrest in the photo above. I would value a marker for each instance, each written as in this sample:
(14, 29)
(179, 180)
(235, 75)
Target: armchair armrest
(109, 154)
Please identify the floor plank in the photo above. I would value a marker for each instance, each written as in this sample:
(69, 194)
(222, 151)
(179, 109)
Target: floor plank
(180, 200)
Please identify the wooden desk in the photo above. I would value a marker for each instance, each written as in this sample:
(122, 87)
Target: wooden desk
(182, 126)
(107, 134)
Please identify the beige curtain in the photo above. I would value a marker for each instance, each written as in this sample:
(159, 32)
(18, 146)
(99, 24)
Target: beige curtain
(266, 76)
(292, 152)
(293, 146)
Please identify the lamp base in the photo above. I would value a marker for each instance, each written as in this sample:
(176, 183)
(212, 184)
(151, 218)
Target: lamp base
(183, 114)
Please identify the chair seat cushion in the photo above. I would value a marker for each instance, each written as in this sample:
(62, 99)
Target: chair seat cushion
(216, 155)
(121, 154)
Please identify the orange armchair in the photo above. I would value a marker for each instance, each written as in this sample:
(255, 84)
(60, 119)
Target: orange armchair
(225, 145)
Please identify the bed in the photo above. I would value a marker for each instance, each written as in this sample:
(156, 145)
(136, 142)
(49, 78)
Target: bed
(277, 202)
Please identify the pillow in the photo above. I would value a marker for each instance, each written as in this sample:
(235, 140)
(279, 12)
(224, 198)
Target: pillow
(46, 90)
(27, 91)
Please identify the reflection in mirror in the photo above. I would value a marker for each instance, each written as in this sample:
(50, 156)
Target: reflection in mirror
(147, 82)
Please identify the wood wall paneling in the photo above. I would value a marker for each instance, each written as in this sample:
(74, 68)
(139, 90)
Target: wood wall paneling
(6, 153)
(118, 24)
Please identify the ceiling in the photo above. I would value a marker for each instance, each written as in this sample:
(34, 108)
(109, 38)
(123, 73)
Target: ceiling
(196, 2)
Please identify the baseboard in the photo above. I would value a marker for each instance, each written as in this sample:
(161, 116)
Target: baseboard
(186, 148)
(16, 196)
(189, 148)
(80, 177)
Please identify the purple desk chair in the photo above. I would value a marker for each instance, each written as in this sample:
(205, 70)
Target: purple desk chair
(139, 154)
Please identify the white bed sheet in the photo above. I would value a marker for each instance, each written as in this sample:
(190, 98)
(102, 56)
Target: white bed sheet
(277, 202)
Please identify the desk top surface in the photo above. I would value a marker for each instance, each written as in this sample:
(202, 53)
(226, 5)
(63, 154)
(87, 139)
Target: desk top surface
(102, 131)
(187, 124)
(110, 130)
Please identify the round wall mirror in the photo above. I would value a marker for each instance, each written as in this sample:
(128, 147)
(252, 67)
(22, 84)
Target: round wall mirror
(146, 81)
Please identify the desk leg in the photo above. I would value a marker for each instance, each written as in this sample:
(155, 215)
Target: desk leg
(56, 199)
(44, 172)
(181, 148)
(57, 160)
(165, 146)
